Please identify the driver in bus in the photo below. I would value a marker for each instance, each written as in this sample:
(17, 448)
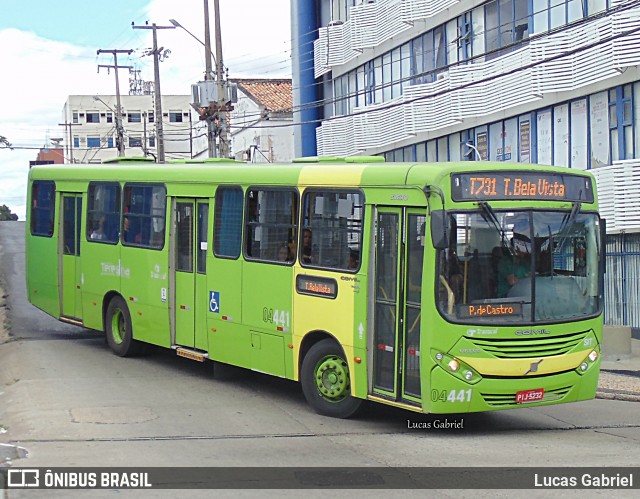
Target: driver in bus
(514, 267)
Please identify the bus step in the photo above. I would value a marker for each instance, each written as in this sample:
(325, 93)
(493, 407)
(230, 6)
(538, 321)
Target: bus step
(188, 353)
(71, 320)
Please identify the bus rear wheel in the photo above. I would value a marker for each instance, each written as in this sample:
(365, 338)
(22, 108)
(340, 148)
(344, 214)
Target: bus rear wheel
(326, 381)
(119, 331)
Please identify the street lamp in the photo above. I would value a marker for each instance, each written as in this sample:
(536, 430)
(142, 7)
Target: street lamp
(207, 48)
(119, 128)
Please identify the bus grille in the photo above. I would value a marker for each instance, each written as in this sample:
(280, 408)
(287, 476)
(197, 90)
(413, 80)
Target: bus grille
(529, 346)
(509, 399)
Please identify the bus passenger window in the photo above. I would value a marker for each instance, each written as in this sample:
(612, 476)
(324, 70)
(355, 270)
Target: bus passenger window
(271, 222)
(332, 229)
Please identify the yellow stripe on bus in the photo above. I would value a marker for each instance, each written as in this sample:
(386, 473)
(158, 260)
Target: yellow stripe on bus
(533, 366)
(348, 174)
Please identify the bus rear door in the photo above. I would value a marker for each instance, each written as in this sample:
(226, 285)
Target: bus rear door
(399, 249)
(188, 260)
(70, 275)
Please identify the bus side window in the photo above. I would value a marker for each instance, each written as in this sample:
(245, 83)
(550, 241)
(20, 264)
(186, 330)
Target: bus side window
(331, 235)
(272, 215)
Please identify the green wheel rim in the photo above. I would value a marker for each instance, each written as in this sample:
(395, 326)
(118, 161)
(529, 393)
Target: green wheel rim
(118, 327)
(332, 378)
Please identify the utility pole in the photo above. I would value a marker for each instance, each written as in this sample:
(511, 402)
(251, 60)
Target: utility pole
(70, 146)
(208, 75)
(222, 98)
(119, 127)
(158, 95)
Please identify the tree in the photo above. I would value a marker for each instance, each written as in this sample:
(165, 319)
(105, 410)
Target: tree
(5, 213)
(4, 142)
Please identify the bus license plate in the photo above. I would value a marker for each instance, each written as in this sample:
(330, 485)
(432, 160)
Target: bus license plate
(529, 396)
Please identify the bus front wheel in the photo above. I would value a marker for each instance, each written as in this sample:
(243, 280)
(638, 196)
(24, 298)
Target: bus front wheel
(118, 329)
(326, 381)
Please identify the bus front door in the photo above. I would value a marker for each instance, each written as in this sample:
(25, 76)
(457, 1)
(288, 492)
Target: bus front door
(70, 274)
(189, 260)
(399, 250)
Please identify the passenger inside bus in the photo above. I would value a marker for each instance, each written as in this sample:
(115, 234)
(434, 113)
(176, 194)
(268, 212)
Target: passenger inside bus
(284, 253)
(307, 246)
(130, 234)
(514, 267)
(98, 233)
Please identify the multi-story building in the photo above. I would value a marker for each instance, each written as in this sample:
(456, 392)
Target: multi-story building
(523, 81)
(91, 135)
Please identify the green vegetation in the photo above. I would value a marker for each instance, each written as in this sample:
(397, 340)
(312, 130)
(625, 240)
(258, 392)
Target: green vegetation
(5, 213)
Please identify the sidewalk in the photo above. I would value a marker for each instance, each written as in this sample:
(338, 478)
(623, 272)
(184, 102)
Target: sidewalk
(620, 379)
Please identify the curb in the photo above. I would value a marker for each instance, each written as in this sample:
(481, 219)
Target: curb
(606, 393)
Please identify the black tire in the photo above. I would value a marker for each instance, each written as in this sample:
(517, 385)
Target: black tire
(326, 381)
(119, 331)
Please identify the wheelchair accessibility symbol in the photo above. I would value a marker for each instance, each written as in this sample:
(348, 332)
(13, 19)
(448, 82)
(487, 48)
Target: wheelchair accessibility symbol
(214, 301)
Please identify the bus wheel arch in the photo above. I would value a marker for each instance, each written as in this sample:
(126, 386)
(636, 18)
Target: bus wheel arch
(325, 376)
(118, 328)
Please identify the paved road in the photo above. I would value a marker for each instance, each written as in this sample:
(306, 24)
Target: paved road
(67, 401)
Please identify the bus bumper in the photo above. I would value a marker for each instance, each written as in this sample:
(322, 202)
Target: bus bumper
(450, 395)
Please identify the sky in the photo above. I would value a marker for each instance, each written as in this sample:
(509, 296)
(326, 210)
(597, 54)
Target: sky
(49, 51)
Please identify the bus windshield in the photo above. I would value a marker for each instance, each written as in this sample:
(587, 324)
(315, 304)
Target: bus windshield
(508, 267)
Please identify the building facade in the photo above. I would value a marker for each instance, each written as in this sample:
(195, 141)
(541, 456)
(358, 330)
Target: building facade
(91, 135)
(524, 81)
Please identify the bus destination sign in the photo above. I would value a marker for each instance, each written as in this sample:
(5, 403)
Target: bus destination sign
(503, 185)
(316, 286)
(489, 310)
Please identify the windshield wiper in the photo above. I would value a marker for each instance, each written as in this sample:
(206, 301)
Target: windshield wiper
(490, 216)
(565, 227)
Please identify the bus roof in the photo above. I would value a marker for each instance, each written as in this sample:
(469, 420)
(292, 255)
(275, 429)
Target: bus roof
(331, 174)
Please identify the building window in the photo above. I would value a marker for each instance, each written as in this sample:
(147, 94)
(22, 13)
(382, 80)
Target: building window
(109, 117)
(76, 141)
(134, 117)
(93, 117)
(93, 142)
(152, 141)
(175, 116)
(109, 142)
(135, 141)
(621, 122)
(151, 116)
(75, 117)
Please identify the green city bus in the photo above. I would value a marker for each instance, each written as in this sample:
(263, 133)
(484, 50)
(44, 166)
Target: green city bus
(435, 287)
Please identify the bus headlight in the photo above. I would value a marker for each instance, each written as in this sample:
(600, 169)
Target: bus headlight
(456, 367)
(593, 356)
(584, 366)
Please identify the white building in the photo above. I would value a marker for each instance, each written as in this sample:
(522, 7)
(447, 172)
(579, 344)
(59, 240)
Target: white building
(521, 81)
(90, 127)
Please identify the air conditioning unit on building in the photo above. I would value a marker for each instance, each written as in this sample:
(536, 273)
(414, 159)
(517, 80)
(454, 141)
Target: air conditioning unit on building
(337, 22)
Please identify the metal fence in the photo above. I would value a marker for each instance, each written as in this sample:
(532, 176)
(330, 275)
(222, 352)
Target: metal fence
(622, 280)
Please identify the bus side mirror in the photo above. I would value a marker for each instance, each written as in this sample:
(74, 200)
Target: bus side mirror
(440, 229)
